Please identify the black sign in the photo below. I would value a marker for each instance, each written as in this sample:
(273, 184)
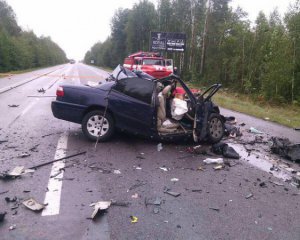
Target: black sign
(165, 41)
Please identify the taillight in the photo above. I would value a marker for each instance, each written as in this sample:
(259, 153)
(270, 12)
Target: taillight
(60, 91)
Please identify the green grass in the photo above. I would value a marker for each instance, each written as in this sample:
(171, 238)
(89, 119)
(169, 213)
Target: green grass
(287, 115)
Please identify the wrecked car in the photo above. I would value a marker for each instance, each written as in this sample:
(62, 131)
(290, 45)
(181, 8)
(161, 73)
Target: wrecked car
(140, 104)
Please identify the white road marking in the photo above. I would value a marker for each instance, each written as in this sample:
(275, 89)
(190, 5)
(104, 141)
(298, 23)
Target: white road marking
(55, 181)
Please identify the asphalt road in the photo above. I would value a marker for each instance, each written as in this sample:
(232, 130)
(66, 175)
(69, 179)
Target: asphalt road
(213, 204)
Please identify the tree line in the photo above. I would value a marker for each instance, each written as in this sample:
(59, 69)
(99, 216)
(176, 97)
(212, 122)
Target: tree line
(21, 49)
(222, 45)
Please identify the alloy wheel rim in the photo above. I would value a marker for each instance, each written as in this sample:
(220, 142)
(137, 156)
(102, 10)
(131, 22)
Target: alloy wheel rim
(215, 128)
(94, 126)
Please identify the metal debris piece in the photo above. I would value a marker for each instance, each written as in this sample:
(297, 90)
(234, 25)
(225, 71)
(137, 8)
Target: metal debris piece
(138, 168)
(250, 195)
(174, 194)
(42, 90)
(56, 160)
(4, 192)
(263, 185)
(119, 203)
(3, 141)
(99, 206)
(24, 155)
(174, 179)
(8, 199)
(134, 219)
(13, 105)
(197, 190)
(2, 216)
(33, 204)
(277, 183)
(215, 209)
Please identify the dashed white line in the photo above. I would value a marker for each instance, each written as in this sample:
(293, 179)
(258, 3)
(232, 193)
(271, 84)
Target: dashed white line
(53, 195)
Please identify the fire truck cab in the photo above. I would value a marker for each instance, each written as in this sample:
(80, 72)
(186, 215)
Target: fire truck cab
(151, 63)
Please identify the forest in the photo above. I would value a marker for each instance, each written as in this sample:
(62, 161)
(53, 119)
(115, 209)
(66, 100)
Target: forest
(260, 59)
(21, 49)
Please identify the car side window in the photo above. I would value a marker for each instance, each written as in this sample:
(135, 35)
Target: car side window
(138, 88)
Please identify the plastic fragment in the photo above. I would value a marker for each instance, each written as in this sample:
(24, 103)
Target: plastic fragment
(159, 147)
(218, 167)
(33, 204)
(254, 130)
(134, 219)
(99, 206)
(174, 179)
(213, 160)
(163, 168)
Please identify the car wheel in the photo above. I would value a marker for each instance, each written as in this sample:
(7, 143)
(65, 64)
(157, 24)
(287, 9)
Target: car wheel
(92, 124)
(215, 128)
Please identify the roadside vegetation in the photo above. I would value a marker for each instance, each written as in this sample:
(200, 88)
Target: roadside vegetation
(222, 46)
(21, 49)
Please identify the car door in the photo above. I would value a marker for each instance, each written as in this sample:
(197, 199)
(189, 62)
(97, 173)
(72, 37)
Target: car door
(131, 101)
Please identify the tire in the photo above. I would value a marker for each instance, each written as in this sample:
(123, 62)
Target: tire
(91, 125)
(215, 127)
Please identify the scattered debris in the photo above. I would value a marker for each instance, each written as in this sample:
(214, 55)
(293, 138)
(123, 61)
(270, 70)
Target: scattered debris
(156, 202)
(138, 168)
(297, 129)
(99, 206)
(199, 149)
(119, 203)
(33, 204)
(42, 90)
(56, 160)
(8, 199)
(197, 190)
(138, 184)
(17, 171)
(134, 219)
(213, 160)
(255, 131)
(263, 185)
(250, 195)
(218, 167)
(117, 171)
(159, 147)
(215, 209)
(277, 183)
(34, 148)
(156, 210)
(174, 194)
(12, 227)
(174, 179)
(284, 148)
(163, 168)
(225, 150)
(2, 216)
(3, 141)
(135, 195)
(4, 192)
(13, 105)
(24, 155)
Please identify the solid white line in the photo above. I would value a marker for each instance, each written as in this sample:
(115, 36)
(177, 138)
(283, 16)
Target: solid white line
(55, 181)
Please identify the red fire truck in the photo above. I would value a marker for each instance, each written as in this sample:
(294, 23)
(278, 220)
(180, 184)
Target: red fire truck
(151, 63)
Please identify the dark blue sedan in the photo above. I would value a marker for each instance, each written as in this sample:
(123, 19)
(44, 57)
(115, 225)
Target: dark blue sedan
(137, 103)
